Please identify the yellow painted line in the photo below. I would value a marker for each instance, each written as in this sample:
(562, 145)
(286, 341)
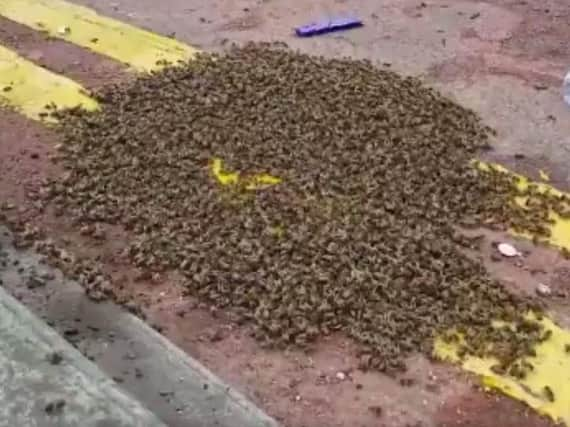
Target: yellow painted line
(560, 227)
(29, 88)
(249, 182)
(551, 368)
(551, 365)
(139, 49)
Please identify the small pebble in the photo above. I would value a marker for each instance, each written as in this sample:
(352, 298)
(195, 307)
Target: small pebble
(543, 290)
(55, 358)
(55, 407)
(508, 250)
(376, 410)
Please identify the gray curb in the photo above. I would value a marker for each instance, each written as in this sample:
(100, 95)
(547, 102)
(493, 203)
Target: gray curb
(32, 386)
(175, 387)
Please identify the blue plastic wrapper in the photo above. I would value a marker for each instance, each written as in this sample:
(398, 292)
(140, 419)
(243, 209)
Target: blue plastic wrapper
(329, 26)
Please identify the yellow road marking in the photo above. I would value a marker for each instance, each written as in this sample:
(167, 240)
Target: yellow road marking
(551, 369)
(29, 88)
(552, 361)
(560, 228)
(251, 182)
(84, 27)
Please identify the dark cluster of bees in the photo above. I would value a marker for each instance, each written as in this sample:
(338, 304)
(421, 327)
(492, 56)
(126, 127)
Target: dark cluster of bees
(376, 176)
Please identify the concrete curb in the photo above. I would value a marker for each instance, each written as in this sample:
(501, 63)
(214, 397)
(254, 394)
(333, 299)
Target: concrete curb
(175, 387)
(207, 394)
(73, 392)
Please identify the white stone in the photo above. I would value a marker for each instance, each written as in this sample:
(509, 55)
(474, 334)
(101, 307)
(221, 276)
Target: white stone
(508, 250)
(543, 290)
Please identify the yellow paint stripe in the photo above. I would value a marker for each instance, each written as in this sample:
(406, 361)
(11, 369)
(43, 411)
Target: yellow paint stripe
(139, 49)
(560, 227)
(251, 182)
(29, 88)
(551, 368)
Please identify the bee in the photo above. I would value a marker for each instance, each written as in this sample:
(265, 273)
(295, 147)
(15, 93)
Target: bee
(548, 393)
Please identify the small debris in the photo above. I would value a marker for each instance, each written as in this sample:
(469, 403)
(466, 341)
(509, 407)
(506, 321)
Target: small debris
(323, 27)
(407, 382)
(496, 257)
(35, 282)
(216, 336)
(376, 410)
(549, 393)
(294, 382)
(64, 30)
(118, 379)
(130, 356)
(71, 332)
(341, 376)
(508, 250)
(322, 379)
(475, 16)
(566, 88)
(432, 387)
(65, 256)
(55, 407)
(166, 393)
(546, 335)
(55, 358)
(543, 290)
(131, 307)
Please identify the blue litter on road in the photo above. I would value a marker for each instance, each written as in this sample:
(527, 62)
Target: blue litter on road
(328, 26)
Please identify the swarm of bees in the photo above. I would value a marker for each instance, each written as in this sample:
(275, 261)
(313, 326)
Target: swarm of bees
(375, 176)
